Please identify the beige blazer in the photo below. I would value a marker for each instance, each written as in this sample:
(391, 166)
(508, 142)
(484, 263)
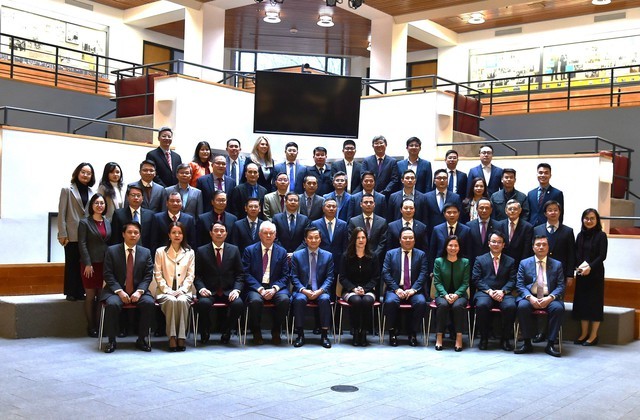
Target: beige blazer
(166, 269)
(70, 211)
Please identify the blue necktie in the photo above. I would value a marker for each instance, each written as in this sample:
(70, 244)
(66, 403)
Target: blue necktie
(450, 187)
(254, 192)
(312, 274)
(292, 181)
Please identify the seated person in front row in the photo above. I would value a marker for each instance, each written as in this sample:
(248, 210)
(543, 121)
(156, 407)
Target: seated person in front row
(405, 273)
(312, 277)
(219, 279)
(540, 286)
(267, 269)
(128, 270)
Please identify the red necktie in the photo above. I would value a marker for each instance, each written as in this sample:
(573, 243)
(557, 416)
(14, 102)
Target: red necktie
(483, 231)
(367, 225)
(168, 155)
(282, 202)
(219, 292)
(265, 260)
(220, 184)
(128, 285)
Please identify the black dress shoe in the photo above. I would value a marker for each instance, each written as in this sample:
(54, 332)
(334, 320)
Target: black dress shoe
(141, 344)
(173, 349)
(275, 337)
(457, 349)
(92, 332)
(393, 340)
(525, 348)
(413, 341)
(363, 338)
(299, 341)
(484, 344)
(356, 339)
(438, 347)
(225, 338)
(590, 343)
(180, 348)
(539, 338)
(551, 351)
(111, 347)
(204, 338)
(579, 341)
(72, 299)
(324, 340)
(123, 333)
(257, 338)
(506, 345)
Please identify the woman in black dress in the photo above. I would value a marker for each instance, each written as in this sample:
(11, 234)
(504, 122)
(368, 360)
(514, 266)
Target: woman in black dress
(359, 275)
(588, 301)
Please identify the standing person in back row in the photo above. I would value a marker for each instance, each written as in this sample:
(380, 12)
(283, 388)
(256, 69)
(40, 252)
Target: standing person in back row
(166, 160)
(491, 174)
(420, 167)
(383, 166)
(539, 196)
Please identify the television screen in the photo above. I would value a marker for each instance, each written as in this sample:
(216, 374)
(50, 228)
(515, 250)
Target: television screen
(307, 104)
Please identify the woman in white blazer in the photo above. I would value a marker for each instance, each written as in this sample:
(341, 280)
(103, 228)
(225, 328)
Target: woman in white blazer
(73, 206)
(174, 273)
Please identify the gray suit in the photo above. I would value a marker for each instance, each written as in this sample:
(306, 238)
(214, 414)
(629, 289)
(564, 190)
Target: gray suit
(271, 205)
(194, 200)
(70, 211)
(152, 202)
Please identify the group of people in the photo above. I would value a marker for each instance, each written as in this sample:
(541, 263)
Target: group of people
(248, 232)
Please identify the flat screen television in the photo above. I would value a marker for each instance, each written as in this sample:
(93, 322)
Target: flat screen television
(307, 104)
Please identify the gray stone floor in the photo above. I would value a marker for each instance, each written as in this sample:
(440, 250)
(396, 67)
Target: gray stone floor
(62, 378)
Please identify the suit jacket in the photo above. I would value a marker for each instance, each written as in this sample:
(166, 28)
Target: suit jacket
(527, 277)
(495, 179)
(152, 202)
(325, 185)
(123, 216)
(395, 204)
(419, 231)
(451, 277)
(209, 275)
(70, 211)
(160, 229)
(242, 236)
(265, 181)
(194, 200)
(115, 270)
(271, 205)
(461, 183)
(356, 171)
(239, 169)
(387, 178)
(300, 173)
(300, 270)
(499, 204)
(484, 276)
(356, 210)
(435, 216)
(208, 185)
(315, 212)
(519, 247)
(181, 268)
(537, 217)
(335, 245)
(279, 274)
(290, 241)
(165, 175)
(204, 222)
(562, 246)
(475, 245)
(424, 176)
(377, 235)
(438, 237)
(91, 244)
(238, 198)
(343, 208)
(392, 269)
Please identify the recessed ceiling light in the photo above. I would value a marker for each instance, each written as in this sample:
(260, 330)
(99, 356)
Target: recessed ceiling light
(600, 2)
(325, 21)
(272, 17)
(476, 18)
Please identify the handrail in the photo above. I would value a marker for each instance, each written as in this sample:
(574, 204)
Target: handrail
(539, 141)
(99, 117)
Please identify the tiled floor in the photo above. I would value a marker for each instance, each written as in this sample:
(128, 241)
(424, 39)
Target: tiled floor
(70, 379)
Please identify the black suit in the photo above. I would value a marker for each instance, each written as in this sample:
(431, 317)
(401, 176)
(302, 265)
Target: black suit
(238, 198)
(152, 200)
(387, 178)
(355, 209)
(290, 241)
(340, 165)
(461, 182)
(242, 235)
(115, 274)
(394, 205)
(562, 246)
(204, 222)
(325, 185)
(165, 175)
(434, 214)
(208, 185)
(299, 173)
(377, 236)
(160, 229)
(315, 212)
(220, 280)
(475, 245)
(123, 216)
(419, 232)
(519, 247)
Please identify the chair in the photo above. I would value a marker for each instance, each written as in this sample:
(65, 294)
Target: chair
(433, 306)
(475, 316)
(341, 303)
(403, 307)
(314, 305)
(267, 305)
(536, 312)
(195, 320)
(101, 329)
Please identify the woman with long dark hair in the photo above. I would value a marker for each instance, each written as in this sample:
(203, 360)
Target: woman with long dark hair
(470, 203)
(111, 187)
(202, 163)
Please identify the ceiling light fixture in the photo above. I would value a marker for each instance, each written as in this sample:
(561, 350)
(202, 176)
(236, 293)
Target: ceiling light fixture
(325, 21)
(272, 2)
(600, 2)
(272, 17)
(354, 4)
(476, 18)
(332, 3)
(369, 47)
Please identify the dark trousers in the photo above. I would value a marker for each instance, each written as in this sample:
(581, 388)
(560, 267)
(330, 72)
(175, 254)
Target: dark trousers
(72, 279)
(418, 310)
(484, 303)
(299, 302)
(443, 310)
(145, 306)
(555, 313)
(361, 307)
(205, 305)
(255, 302)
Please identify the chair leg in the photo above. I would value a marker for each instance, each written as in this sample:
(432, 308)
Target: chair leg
(424, 332)
(101, 327)
(384, 324)
(293, 322)
(340, 325)
(473, 334)
(246, 320)
(429, 326)
(469, 329)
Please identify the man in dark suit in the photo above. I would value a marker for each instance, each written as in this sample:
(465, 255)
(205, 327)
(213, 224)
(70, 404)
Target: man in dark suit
(562, 243)
(162, 220)
(539, 196)
(479, 230)
(408, 211)
(191, 197)
(508, 192)
(540, 284)
(310, 201)
(494, 277)
(217, 214)
(267, 269)
(321, 171)
(444, 230)
(409, 191)
(349, 166)
(246, 190)
(312, 278)
(128, 270)
(421, 167)
(274, 202)
(216, 180)
(436, 199)
(374, 226)
(340, 195)
(368, 183)
(133, 211)
(517, 231)
(295, 171)
(457, 179)
(165, 159)
(385, 167)
(334, 233)
(405, 274)
(152, 193)
(491, 174)
(245, 229)
(235, 162)
(290, 225)
(219, 279)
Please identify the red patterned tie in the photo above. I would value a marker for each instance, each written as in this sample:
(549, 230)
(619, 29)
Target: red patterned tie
(265, 260)
(406, 278)
(128, 285)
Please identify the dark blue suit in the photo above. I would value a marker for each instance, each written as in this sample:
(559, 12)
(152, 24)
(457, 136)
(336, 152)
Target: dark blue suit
(419, 232)
(519, 247)
(536, 215)
(461, 182)
(242, 236)
(339, 165)
(424, 176)
(395, 204)
(160, 229)
(300, 277)
(475, 245)
(239, 195)
(290, 241)
(325, 186)
(204, 222)
(337, 245)
(300, 172)
(435, 216)
(388, 178)
(123, 216)
(438, 237)
(356, 210)
(208, 186)
(562, 246)
(495, 179)
(239, 168)
(391, 275)
(555, 283)
(343, 208)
